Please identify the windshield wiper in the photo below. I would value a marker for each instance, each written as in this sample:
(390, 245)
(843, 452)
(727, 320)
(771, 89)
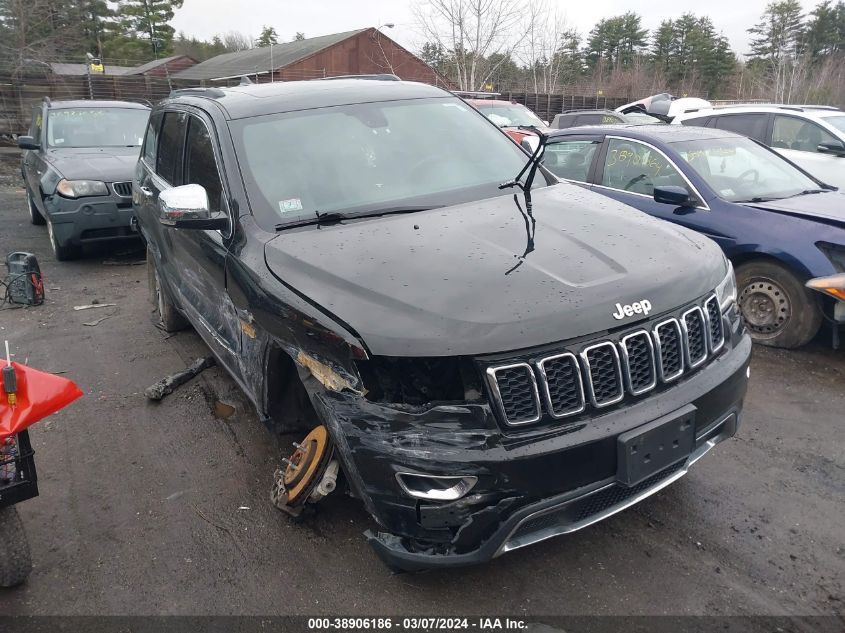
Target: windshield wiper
(333, 217)
(320, 218)
(806, 192)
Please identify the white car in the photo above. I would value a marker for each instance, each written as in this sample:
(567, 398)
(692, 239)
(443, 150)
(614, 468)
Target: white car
(813, 137)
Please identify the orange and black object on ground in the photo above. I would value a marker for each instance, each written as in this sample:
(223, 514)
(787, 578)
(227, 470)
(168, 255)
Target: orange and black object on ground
(27, 396)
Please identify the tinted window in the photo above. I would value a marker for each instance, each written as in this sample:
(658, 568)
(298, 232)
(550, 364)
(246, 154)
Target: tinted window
(699, 121)
(200, 165)
(791, 132)
(598, 119)
(751, 125)
(570, 159)
(170, 145)
(151, 140)
(634, 167)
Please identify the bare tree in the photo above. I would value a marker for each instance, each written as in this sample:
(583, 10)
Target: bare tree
(471, 31)
(236, 41)
(541, 52)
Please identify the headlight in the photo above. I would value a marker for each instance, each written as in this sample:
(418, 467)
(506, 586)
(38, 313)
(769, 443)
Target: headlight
(81, 188)
(726, 290)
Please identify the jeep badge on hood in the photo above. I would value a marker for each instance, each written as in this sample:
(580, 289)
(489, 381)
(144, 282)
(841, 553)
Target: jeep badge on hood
(643, 306)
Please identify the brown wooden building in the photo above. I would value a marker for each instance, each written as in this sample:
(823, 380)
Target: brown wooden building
(361, 52)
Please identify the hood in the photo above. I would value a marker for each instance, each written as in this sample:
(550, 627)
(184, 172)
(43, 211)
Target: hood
(455, 281)
(823, 206)
(109, 164)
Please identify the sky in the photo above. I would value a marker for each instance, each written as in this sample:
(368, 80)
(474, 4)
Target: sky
(205, 18)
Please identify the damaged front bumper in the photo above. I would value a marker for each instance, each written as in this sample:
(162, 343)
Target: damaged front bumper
(529, 485)
(90, 219)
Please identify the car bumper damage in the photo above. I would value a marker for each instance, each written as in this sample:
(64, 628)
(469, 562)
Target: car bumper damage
(89, 220)
(449, 485)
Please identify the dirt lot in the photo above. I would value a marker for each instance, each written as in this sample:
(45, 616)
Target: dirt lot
(163, 509)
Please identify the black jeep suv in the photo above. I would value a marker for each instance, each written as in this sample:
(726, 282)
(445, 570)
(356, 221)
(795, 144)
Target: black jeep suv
(484, 363)
(77, 168)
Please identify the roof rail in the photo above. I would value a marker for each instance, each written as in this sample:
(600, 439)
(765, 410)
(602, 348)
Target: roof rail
(475, 95)
(376, 77)
(589, 111)
(214, 93)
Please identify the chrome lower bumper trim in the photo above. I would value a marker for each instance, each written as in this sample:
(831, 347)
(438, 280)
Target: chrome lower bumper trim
(714, 434)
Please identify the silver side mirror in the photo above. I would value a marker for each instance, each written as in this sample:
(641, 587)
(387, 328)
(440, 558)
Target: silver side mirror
(188, 202)
(186, 207)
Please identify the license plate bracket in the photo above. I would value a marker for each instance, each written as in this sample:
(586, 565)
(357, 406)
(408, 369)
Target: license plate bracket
(648, 449)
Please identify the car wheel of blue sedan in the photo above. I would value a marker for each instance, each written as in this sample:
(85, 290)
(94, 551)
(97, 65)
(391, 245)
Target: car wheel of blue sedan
(776, 307)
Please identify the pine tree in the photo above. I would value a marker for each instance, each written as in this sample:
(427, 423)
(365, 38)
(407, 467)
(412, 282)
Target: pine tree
(268, 36)
(146, 25)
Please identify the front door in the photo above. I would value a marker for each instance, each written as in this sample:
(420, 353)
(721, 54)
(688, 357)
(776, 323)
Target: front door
(193, 260)
(630, 172)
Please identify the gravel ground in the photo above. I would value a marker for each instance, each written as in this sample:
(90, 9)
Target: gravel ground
(163, 508)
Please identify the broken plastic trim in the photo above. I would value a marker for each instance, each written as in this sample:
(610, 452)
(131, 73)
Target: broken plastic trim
(436, 487)
(328, 377)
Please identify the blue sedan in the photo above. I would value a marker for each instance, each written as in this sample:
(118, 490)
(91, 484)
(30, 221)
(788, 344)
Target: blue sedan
(783, 230)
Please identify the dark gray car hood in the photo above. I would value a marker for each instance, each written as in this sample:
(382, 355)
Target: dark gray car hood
(109, 164)
(825, 206)
(443, 282)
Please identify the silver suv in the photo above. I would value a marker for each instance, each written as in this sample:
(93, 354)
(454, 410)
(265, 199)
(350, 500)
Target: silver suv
(813, 137)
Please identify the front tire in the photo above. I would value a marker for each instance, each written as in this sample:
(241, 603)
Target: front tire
(776, 307)
(34, 214)
(15, 555)
(170, 318)
(63, 252)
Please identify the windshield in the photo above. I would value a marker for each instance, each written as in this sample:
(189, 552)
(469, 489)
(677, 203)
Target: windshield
(512, 115)
(97, 127)
(836, 121)
(739, 170)
(360, 158)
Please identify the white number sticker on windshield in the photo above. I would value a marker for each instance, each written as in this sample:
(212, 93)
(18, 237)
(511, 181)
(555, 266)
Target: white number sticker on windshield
(290, 205)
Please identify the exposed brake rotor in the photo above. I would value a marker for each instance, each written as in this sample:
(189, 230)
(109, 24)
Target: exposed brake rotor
(303, 472)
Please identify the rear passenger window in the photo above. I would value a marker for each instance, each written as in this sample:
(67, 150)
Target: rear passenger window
(751, 125)
(200, 165)
(570, 159)
(151, 140)
(170, 146)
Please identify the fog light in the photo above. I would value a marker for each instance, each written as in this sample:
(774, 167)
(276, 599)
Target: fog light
(748, 373)
(436, 488)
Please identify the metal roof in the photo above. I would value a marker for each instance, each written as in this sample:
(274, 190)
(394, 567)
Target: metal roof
(258, 60)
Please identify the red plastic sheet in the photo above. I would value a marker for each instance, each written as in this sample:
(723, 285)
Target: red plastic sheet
(39, 394)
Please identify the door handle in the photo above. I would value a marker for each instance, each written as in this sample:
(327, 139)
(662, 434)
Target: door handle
(146, 191)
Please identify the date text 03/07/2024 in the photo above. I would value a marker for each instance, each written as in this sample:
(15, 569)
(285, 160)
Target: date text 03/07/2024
(417, 623)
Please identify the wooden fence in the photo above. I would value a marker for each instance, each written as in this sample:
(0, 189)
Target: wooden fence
(19, 95)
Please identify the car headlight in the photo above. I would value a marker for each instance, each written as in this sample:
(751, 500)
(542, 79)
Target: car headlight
(81, 188)
(726, 290)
